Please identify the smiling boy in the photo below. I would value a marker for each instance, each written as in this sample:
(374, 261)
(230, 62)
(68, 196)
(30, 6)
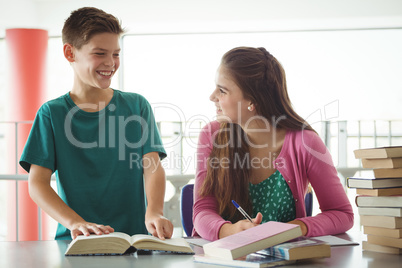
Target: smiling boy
(87, 138)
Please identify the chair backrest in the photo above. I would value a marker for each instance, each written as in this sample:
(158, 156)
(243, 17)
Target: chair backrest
(308, 202)
(186, 208)
(187, 200)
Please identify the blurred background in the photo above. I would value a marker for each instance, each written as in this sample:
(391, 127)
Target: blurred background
(342, 59)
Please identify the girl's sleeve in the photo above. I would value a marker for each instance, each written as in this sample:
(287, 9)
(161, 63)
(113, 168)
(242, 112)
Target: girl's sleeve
(336, 211)
(207, 222)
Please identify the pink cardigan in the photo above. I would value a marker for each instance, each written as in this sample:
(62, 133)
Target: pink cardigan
(304, 158)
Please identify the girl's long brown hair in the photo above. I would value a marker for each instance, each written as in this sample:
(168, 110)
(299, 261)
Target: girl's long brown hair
(262, 80)
(227, 172)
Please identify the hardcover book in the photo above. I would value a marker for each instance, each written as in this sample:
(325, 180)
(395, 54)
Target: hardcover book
(369, 183)
(381, 221)
(382, 163)
(120, 243)
(250, 260)
(379, 201)
(251, 240)
(299, 248)
(378, 248)
(389, 232)
(385, 241)
(393, 212)
(380, 192)
(379, 152)
(387, 173)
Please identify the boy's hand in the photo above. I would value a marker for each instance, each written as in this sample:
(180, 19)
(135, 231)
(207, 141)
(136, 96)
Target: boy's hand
(87, 228)
(158, 226)
(229, 228)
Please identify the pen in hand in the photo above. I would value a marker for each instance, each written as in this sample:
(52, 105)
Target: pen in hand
(242, 211)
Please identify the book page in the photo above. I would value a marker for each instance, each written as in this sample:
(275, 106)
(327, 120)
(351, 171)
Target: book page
(251, 260)
(198, 241)
(300, 243)
(97, 244)
(114, 234)
(335, 241)
(137, 239)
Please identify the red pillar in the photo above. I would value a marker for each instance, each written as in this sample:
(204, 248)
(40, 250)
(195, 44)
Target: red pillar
(27, 49)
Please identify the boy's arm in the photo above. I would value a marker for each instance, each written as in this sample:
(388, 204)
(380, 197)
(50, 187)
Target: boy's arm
(47, 199)
(155, 183)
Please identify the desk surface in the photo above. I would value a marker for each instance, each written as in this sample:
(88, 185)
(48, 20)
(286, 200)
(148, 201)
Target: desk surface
(45, 254)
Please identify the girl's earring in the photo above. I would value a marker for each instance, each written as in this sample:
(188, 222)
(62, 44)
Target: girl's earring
(250, 108)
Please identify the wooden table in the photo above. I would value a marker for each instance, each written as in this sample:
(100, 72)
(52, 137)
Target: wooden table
(44, 254)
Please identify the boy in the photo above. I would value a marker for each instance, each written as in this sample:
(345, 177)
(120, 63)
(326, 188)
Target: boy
(102, 144)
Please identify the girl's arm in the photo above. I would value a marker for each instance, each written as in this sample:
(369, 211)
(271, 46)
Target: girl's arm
(207, 221)
(336, 211)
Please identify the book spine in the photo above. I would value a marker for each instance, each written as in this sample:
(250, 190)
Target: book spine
(279, 252)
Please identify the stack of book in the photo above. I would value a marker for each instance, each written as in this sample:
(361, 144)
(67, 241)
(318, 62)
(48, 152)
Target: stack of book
(266, 245)
(379, 198)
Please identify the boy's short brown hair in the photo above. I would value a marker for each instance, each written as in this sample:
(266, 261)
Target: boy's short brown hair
(85, 22)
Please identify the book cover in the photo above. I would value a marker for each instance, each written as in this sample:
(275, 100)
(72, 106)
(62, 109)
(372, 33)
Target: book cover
(250, 260)
(334, 241)
(251, 240)
(372, 183)
(379, 201)
(388, 232)
(378, 248)
(117, 243)
(379, 152)
(393, 212)
(299, 248)
(380, 192)
(385, 241)
(387, 173)
(382, 163)
(381, 221)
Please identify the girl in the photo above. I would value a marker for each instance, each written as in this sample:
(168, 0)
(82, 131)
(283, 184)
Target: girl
(263, 155)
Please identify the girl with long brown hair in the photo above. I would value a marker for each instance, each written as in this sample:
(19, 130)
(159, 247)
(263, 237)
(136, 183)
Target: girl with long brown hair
(263, 155)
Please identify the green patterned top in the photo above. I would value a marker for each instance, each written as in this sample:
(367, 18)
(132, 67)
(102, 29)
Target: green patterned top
(273, 198)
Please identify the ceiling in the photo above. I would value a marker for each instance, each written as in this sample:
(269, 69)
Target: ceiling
(175, 16)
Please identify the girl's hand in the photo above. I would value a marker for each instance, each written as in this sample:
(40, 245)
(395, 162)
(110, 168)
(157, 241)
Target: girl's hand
(229, 228)
(302, 226)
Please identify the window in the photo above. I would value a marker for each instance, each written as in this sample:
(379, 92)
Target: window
(331, 75)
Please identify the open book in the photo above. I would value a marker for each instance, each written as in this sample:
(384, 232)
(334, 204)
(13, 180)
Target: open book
(119, 243)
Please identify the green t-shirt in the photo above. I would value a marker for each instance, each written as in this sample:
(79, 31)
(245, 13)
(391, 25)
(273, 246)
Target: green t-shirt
(273, 198)
(97, 158)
